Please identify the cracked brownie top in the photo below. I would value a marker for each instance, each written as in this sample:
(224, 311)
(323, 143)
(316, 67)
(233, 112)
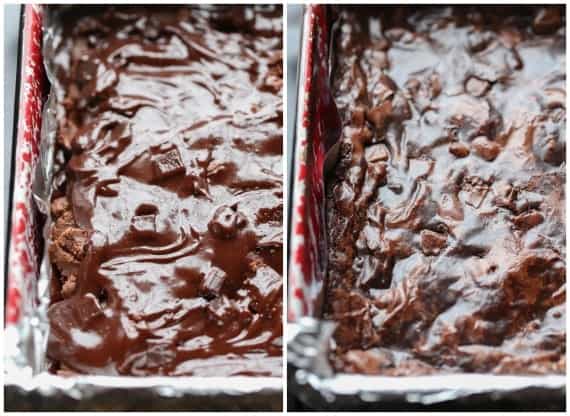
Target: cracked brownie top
(446, 218)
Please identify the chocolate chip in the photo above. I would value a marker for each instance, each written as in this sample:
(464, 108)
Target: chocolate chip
(434, 84)
(397, 188)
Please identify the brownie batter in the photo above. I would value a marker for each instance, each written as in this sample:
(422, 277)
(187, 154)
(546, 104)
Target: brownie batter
(166, 243)
(446, 211)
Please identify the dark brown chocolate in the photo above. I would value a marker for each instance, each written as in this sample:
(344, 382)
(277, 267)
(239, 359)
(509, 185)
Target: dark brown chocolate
(166, 244)
(446, 212)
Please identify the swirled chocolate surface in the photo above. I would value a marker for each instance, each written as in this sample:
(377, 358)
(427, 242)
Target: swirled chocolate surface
(446, 212)
(166, 244)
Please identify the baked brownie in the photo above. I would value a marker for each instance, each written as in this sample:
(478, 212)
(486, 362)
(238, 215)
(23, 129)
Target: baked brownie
(166, 243)
(446, 218)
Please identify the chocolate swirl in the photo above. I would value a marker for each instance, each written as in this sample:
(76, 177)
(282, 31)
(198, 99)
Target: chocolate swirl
(169, 156)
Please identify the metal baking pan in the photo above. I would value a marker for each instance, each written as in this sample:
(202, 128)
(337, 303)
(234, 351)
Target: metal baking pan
(27, 384)
(311, 382)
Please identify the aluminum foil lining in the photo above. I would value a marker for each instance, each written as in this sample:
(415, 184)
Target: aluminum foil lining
(29, 385)
(315, 383)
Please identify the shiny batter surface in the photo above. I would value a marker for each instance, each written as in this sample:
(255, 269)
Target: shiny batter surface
(446, 212)
(166, 246)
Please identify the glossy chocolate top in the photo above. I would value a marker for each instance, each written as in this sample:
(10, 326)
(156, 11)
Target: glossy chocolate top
(446, 213)
(167, 238)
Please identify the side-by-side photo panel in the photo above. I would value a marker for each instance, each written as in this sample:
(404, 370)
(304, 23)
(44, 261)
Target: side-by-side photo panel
(165, 193)
(145, 242)
(427, 237)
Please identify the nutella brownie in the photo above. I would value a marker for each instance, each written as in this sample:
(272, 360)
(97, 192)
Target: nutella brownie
(166, 243)
(446, 211)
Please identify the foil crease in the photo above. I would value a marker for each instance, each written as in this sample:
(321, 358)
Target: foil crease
(27, 383)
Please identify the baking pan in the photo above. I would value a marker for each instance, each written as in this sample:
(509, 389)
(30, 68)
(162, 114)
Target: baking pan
(311, 379)
(28, 385)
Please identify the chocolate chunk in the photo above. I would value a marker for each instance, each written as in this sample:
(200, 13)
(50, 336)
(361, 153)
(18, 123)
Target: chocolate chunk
(357, 117)
(459, 149)
(226, 222)
(267, 284)
(473, 117)
(213, 282)
(486, 148)
(548, 143)
(528, 220)
(77, 312)
(432, 242)
(380, 115)
(375, 272)
(167, 164)
(547, 20)
(144, 223)
(222, 310)
(475, 190)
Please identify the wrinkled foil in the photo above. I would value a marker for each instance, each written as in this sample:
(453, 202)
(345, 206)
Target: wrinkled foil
(315, 384)
(312, 380)
(27, 383)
